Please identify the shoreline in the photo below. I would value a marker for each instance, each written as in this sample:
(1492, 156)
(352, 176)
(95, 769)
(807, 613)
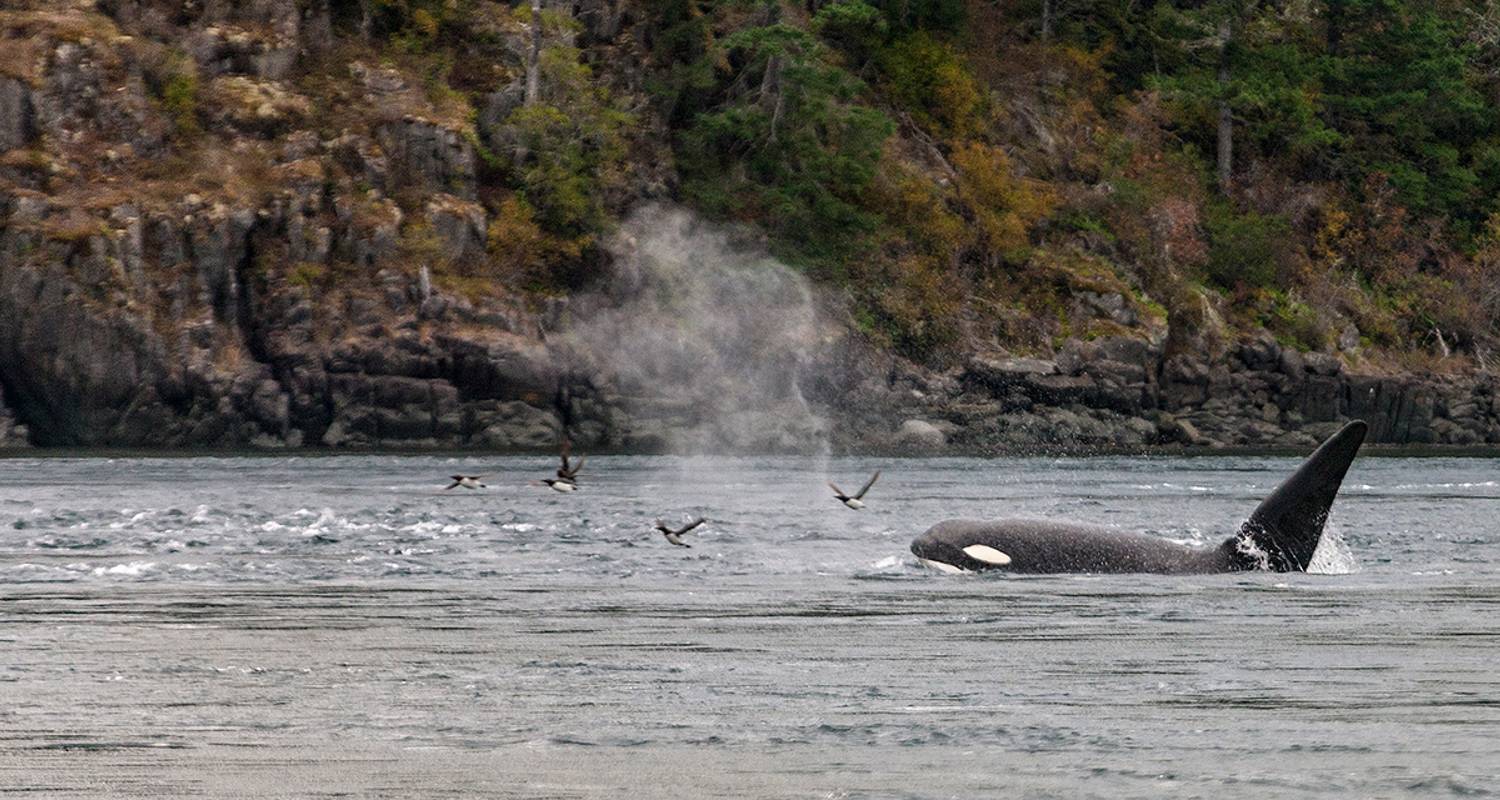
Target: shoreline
(1082, 452)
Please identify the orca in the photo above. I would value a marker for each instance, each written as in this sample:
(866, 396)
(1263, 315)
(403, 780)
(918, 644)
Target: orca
(1280, 535)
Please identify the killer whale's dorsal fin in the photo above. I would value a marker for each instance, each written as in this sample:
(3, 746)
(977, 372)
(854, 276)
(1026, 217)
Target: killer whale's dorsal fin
(1288, 524)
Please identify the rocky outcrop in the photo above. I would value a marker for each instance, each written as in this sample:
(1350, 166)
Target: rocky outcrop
(97, 351)
(428, 156)
(16, 115)
(1128, 393)
(262, 38)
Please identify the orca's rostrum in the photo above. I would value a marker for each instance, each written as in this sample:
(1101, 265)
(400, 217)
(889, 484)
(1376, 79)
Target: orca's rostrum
(1280, 535)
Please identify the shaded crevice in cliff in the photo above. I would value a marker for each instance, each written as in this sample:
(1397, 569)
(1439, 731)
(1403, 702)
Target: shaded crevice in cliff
(20, 415)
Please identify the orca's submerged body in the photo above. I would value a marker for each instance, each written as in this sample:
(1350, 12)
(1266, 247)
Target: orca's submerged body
(1280, 535)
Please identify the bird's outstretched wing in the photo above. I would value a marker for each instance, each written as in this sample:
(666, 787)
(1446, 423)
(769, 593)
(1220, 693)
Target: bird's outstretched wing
(456, 482)
(867, 485)
(691, 525)
(568, 472)
(836, 489)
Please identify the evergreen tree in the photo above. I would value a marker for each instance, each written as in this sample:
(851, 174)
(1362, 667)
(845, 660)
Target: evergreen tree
(1399, 90)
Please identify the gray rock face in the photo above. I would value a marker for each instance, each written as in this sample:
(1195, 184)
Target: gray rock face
(232, 356)
(238, 37)
(920, 435)
(1124, 392)
(459, 225)
(429, 156)
(17, 118)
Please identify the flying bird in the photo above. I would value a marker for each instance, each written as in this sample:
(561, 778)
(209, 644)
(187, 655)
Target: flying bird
(558, 485)
(466, 481)
(569, 471)
(675, 536)
(856, 501)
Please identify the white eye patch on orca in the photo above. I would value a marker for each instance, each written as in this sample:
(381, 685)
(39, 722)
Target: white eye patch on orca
(987, 554)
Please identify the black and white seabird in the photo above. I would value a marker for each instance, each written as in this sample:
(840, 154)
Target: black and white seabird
(569, 471)
(856, 501)
(675, 537)
(559, 485)
(466, 481)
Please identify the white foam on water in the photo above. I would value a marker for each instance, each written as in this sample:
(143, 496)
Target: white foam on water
(1452, 485)
(134, 569)
(1333, 556)
(1247, 547)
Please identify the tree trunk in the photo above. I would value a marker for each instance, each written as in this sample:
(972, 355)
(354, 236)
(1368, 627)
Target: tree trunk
(1046, 21)
(1226, 116)
(534, 59)
(771, 94)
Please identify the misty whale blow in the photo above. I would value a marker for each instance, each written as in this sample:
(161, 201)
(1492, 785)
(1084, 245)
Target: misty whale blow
(1280, 535)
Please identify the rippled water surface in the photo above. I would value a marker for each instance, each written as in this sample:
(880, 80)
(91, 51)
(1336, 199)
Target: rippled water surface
(338, 626)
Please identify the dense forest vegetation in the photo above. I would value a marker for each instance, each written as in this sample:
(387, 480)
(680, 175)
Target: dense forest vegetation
(1324, 169)
(969, 172)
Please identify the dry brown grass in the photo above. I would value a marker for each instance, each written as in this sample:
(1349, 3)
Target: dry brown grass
(344, 103)
(28, 159)
(73, 21)
(73, 226)
(240, 176)
(27, 33)
(20, 58)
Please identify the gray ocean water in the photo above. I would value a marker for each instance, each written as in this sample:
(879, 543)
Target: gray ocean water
(337, 626)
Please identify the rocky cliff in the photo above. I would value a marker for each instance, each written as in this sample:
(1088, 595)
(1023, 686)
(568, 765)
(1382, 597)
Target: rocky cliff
(220, 227)
(1125, 392)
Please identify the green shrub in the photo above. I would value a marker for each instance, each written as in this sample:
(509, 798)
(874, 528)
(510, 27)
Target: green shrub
(1294, 323)
(926, 76)
(179, 95)
(307, 274)
(853, 26)
(788, 146)
(573, 147)
(1245, 248)
(944, 16)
